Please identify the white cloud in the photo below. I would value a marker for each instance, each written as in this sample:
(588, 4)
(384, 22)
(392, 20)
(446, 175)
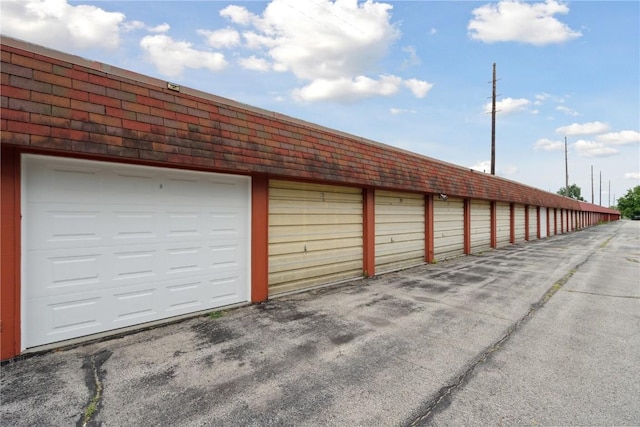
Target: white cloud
(332, 46)
(223, 38)
(162, 28)
(482, 166)
(59, 25)
(413, 58)
(419, 88)
(255, 63)
(590, 128)
(348, 90)
(172, 57)
(593, 149)
(139, 25)
(624, 137)
(542, 97)
(433, 32)
(133, 25)
(326, 40)
(237, 15)
(568, 111)
(396, 111)
(517, 21)
(632, 175)
(508, 105)
(548, 145)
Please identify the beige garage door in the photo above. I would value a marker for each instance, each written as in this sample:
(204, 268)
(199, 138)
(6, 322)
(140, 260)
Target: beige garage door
(543, 222)
(503, 225)
(533, 223)
(399, 230)
(480, 225)
(520, 223)
(315, 235)
(559, 221)
(448, 228)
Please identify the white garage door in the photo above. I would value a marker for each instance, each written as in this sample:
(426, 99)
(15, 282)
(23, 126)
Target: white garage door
(315, 235)
(480, 225)
(503, 224)
(109, 245)
(448, 228)
(399, 230)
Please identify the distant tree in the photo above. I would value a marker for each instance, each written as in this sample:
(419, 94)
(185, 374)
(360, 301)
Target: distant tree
(574, 192)
(629, 204)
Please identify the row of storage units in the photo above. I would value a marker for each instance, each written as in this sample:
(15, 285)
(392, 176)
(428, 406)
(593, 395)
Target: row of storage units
(111, 245)
(316, 231)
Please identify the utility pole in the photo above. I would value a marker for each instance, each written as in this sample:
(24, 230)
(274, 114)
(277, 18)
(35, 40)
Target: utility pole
(600, 202)
(609, 194)
(493, 123)
(566, 168)
(591, 184)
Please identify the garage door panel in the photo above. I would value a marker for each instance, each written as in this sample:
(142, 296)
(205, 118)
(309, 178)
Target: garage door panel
(503, 224)
(533, 223)
(135, 305)
(65, 317)
(448, 228)
(448, 241)
(399, 230)
(480, 225)
(69, 271)
(56, 226)
(406, 220)
(416, 239)
(297, 192)
(133, 243)
(311, 246)
(319, 219)
(304, 260)
(53, 181)
(543, 222)
(63, 272)
(406, 258)
(289, 280)
(519, 222)
(315, 234)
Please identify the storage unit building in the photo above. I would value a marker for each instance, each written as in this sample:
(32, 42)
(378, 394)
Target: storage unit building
(127, 199)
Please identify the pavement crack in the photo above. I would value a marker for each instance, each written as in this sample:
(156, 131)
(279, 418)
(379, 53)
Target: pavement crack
(600, 294)
(94, 376)
(447, 391)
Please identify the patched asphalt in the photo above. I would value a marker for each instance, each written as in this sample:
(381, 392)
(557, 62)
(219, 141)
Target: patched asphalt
(398, 349)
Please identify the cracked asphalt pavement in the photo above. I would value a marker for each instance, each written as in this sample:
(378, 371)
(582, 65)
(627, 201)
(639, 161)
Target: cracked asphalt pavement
(543, 333)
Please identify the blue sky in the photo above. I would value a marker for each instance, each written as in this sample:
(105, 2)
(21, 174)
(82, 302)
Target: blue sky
(412, 74)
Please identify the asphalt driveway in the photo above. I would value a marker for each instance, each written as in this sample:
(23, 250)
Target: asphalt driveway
(398, 349)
